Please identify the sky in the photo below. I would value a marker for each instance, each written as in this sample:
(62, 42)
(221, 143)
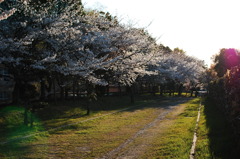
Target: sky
(199, 27)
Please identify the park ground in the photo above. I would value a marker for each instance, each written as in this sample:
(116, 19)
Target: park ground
(153, 127)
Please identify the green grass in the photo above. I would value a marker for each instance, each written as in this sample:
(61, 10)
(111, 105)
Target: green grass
(176, 141)
(12, 128)
(215, 137)
(91, 138)
(95, 138)
(11, 120)
(216, 140)
(186, 94)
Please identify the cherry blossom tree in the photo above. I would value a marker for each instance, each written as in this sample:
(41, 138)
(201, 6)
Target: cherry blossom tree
(4, 14)
(26, 46)
(57, 40)
(178, 68)
(137, 52)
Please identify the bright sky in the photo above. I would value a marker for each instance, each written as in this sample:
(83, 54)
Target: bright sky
(199, 27)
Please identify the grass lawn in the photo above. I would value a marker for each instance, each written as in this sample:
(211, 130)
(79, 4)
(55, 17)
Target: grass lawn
(84, 140)
(215, 138)
(95, 138)
(176, 141)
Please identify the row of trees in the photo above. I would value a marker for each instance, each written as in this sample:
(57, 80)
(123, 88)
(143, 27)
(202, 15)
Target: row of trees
(59, 43)
(224, 87)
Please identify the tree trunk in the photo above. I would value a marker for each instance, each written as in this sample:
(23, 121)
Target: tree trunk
(91, 95)
(191, 93)
(73, 89)
(25, 116)
(108, 90)
(141, 88)
(31, 119)
(132, 94)
(78, 89)
(149, 88)
(16, 92)
(42, 82)
(54, 91)
(49, 87)
(196, 93)
(120, 89)
(180, 89)
(162, 87)
(62, 93)
(88, 108)
(170, 92)
(66, 93)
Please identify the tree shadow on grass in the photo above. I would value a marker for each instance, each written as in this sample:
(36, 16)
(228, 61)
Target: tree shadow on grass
(20, 145)
(222, 140)
(23, 147)
(12, 150)
(166, 103)
(63, 111)
(35, 145)
(14, 135)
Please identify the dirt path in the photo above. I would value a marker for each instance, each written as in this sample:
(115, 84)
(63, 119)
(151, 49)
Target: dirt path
(134, 147)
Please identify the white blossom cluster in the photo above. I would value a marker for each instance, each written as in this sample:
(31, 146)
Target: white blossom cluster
(179, 67)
